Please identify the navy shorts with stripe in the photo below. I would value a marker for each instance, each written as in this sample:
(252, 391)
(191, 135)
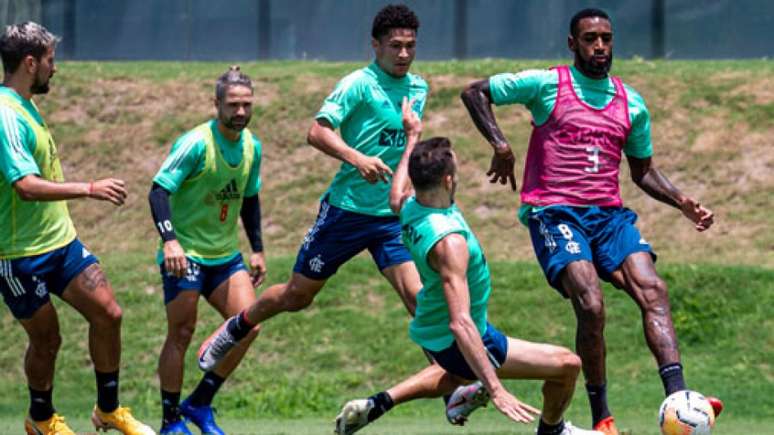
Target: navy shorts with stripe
(452, 360)
(27, 282)
(339, 235)
(605, 236)
(199, 277)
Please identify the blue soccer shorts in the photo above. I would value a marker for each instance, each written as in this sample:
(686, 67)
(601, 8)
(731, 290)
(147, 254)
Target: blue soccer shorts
(27, 282)
(452, 360)
(199, 277)
(604, 236)
(339, 235)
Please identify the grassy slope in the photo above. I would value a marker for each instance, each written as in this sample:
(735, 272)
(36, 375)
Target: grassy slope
(710, 128)
(712, 124)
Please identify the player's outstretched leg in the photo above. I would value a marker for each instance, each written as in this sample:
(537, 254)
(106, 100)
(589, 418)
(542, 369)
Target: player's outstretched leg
(638, 277)
(431, 382)
(295, 295)
(559, 367)
(230, 297)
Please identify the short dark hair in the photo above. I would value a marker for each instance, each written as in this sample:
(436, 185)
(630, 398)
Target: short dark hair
(22, 40)
(586, 13)
(394, 17)
(232, 77)
(430, 161)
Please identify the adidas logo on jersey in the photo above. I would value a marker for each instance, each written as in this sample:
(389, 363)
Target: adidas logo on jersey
(231, 191)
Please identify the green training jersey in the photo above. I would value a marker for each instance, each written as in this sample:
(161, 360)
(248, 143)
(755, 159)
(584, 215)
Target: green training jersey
(208, 176)
(422, 228)
(366, 107)
(28, 228)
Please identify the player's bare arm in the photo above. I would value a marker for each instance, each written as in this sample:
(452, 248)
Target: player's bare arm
(323, 137)
(34, 188)
(401, 185)
(450, 258)
(656, 185)
(478, 100)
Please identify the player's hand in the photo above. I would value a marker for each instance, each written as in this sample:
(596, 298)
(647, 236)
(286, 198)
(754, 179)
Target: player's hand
(108, 189)
(175, 262)
(373, 169)
(412, 125)
(514, 409)
(702, 217)
(257, 268)
(501, 169)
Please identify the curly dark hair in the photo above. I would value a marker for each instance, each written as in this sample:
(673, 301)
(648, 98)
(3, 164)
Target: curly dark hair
(394, 17)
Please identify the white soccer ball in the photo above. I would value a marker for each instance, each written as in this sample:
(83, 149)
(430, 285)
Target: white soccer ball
(686, 413)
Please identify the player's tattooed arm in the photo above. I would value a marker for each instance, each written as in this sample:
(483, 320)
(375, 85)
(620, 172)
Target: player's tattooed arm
(657, 186)
(478, 100)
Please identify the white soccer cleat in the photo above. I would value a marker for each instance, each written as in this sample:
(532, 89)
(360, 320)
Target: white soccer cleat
(464, 400)
(569, 429)
(216, 347)
(353, 416)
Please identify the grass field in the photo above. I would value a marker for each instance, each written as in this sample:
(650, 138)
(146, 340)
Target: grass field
(712, 128)
(305, 365)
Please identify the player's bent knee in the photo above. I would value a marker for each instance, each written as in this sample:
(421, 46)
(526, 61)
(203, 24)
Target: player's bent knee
(571, 364)
(109, 316)
(654, 294)
(296, 298)
(46, 344)
(592, 308)
(181, 335)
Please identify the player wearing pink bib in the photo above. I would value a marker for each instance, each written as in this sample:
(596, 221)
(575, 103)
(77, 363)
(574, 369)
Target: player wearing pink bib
(573, 158)
(583, 121)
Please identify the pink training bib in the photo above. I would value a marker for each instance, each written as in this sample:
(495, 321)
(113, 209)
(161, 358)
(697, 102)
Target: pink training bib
(574, 157)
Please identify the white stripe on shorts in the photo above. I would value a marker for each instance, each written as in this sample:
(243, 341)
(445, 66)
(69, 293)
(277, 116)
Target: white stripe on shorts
(17, 289)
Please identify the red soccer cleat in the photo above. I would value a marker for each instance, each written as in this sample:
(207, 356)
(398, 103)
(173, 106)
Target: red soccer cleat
(717, 405)
(606, 426)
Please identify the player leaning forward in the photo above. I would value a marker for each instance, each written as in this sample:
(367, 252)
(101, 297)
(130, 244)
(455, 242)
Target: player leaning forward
(354, 212)
(40, 253)
(209, 179)
(451, 321)
(583, 120)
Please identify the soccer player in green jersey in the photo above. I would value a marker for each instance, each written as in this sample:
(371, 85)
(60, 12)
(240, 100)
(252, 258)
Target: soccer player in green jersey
(584, 119)
(40, 253)
(451, 321)
(210, 178)
(354, 212)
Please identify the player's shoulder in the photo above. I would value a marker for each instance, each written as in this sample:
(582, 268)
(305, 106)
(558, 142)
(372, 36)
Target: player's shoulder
(634, 98)
(193, 139)
(10, 119)
(417, 81)
(256, 141)
(356, 79)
